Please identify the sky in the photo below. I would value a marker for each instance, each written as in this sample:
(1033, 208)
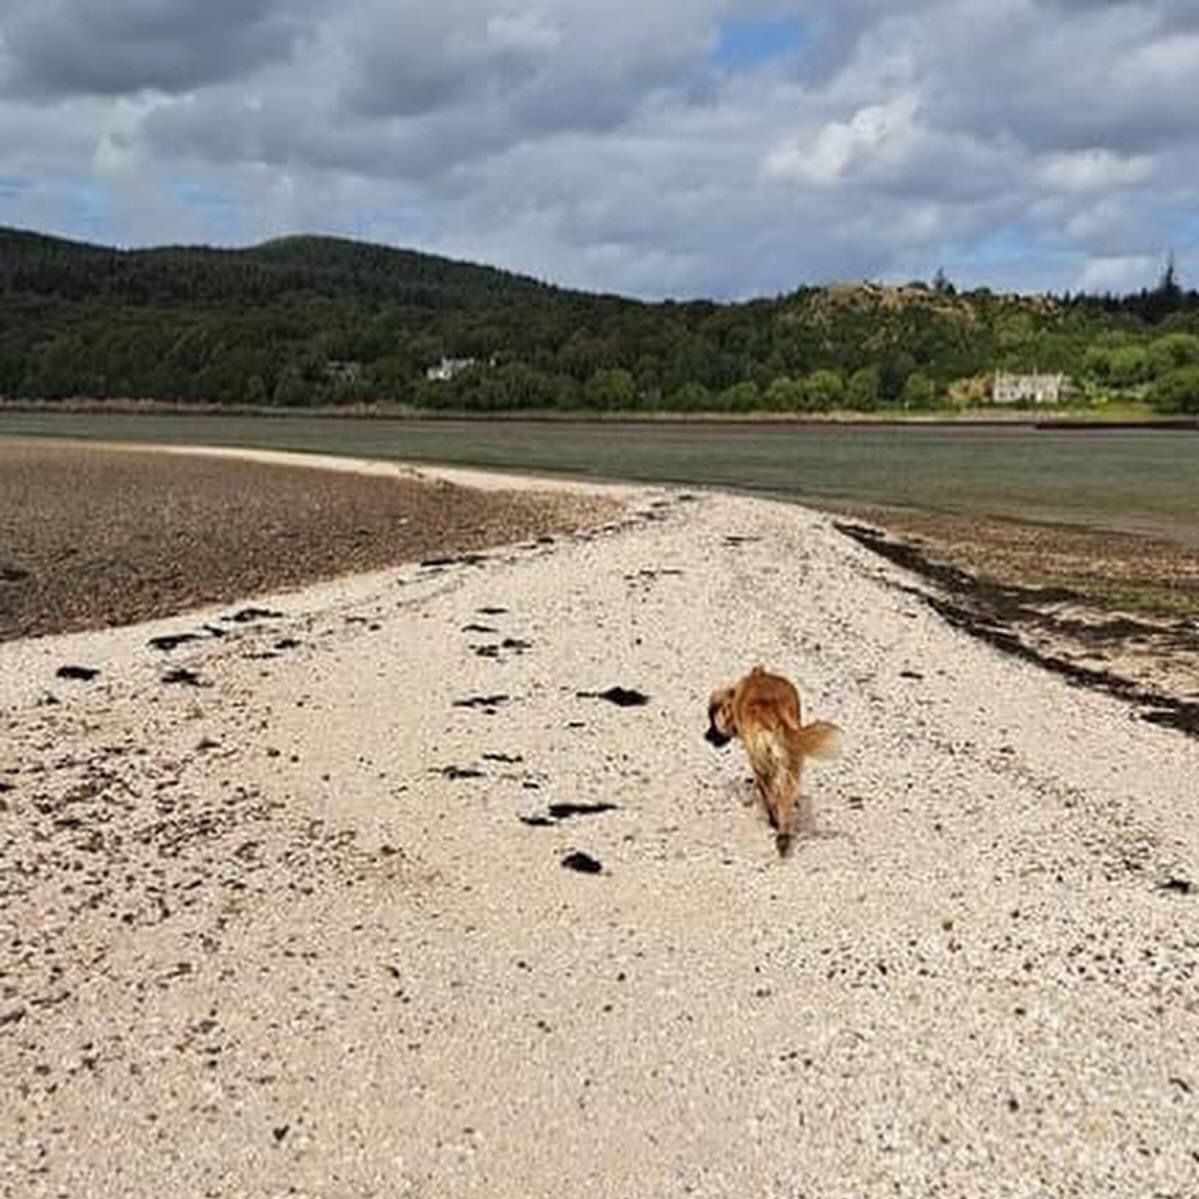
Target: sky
(722, 148)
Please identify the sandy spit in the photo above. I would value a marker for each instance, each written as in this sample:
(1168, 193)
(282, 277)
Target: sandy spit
(279, 928)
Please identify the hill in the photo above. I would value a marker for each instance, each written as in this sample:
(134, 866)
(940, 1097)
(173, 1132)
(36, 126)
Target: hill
(304, 320)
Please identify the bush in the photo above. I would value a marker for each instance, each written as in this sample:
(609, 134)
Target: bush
(691, 397)
(784, 394)
(1177, 392)
(918, 391)
(741, 397)
(1121, 366)
(823, 389)
(864, 388)
(613, 388)
(1172, 352)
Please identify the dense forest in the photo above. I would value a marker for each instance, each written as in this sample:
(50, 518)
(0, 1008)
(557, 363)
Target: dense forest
(315, 320)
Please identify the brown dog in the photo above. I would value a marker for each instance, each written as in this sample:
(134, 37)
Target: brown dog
(763, 710)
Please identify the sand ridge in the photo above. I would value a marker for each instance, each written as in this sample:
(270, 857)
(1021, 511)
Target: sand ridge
(287, 919)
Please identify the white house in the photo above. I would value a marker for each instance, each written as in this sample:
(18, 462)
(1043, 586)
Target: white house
(447, 368)
(1017, 389)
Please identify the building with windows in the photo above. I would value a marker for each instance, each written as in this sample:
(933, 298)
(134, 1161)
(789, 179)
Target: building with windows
(447, 368)
(1020, 389)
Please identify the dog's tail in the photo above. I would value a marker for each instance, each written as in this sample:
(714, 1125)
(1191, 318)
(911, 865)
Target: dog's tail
(820, 740)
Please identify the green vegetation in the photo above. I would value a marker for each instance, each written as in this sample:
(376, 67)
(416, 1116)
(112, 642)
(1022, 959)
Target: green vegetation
(311, 321)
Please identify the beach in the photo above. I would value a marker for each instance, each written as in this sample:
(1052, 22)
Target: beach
(284, 894)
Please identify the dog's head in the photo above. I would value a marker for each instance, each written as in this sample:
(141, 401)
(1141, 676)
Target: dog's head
(721, 728)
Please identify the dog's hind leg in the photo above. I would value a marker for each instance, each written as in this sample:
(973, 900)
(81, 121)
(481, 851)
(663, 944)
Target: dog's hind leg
(765, 786)
(784, 820)
(793, 811)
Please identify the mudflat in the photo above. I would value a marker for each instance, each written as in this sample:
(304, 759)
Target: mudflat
(93, 535)
(1109, 609)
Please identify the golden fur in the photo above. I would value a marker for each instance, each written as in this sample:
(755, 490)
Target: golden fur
(763, 710)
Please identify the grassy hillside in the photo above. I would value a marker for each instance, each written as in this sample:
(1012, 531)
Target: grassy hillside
(305, 320)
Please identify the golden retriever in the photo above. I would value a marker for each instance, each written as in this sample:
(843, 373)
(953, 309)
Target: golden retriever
(763, 710)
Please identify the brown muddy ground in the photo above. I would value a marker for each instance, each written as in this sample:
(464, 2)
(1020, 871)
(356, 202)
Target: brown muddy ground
(1109, 610)
(91, 537)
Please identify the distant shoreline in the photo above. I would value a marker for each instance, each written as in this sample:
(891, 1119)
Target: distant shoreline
(969, 417)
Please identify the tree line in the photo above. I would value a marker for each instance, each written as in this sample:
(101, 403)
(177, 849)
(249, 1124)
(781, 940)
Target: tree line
(309, 320)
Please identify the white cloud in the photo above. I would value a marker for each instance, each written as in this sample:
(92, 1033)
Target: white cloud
(1093, 170)
(1166, 62)
(1118, 273)
(877, 137)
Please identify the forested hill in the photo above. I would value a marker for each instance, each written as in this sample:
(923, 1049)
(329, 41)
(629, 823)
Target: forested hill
(306, 320)
(181, 275)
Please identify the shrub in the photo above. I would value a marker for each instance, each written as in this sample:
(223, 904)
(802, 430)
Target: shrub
(691, 397)
(1177, 392)
(613, 388)
(1173, 351)
(918, 391)
(784, 394)
(864, 387)
(823, 389)
(741, 397)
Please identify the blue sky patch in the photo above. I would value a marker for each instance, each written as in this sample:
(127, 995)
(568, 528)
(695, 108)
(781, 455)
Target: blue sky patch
(1003, 244)
(92, 209)
(748, 41)
(221, 214)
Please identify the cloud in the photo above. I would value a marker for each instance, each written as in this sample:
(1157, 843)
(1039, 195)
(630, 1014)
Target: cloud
(54, 48)
(1094, 170)
(877, 139)
(1118, 273)
(725, 147)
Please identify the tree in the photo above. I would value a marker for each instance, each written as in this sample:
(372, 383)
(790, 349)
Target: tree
(611, 388)
(1177, 391)
(863, 388)
(691, 397)
(1165, 298)
(1168, 288)
(291, 390)
(784, 394)
(918, 391)
(256, 392)
(1128, 365)
(1172, 351)
(741, 397)
(893, 374)
(823, 390)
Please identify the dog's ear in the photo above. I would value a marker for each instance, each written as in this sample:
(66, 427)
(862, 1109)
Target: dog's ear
(720, 710)
(720, 718)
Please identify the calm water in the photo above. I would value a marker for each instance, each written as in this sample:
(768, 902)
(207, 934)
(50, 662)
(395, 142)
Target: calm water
(1133, 479)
